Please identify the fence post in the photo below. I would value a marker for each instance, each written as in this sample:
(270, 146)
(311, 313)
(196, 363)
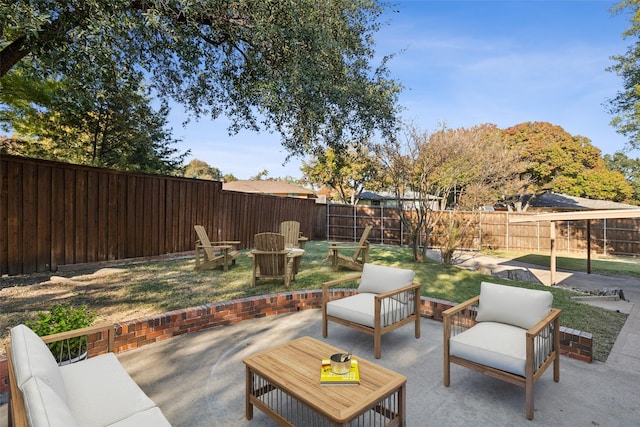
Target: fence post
(506, 231)
(605, 237)
(381, 225)
(480, 231)
(355, 224)
(328, 218)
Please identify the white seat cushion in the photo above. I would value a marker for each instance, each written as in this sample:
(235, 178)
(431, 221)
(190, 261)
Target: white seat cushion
(44, 406)
(497, 345)
(100, 392)
(516, 306)
(359, 309)
(150, 418)
(32, 358)
(377, 279)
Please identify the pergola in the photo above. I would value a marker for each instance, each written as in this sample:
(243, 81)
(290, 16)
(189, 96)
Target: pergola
(553, 217)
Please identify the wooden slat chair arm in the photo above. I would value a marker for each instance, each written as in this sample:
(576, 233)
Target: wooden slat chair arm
(536, 329)
(462, 306)
(61, 336)
(412, 287)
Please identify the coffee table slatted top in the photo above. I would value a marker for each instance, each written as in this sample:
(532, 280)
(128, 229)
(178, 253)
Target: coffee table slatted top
(295, 368)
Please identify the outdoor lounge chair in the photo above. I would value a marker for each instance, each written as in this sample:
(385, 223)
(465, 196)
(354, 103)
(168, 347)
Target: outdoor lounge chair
(357, 259)
(387, 298)
(271, 259)
(214, 254)
(292, 237)
(506, 332)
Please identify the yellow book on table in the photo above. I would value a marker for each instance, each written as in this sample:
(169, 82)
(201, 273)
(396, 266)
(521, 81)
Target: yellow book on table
(327, 377)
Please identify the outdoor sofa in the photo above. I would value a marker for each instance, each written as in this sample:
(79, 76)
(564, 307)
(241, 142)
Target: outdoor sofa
(95, 392)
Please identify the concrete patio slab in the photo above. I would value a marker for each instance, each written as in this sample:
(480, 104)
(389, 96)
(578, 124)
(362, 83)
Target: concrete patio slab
(199, 379)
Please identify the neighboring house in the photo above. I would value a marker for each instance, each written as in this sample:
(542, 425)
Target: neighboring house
(388, 200)
(556, 202)
(274, 188)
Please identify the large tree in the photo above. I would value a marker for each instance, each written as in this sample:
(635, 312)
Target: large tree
(450, 168)
(201, 170)
(629, 168)
(563, 163)
(302, 68)
(347, 172)
(625, 106)
(106, 121)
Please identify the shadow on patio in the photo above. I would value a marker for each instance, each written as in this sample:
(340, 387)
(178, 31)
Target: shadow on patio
(198, 379)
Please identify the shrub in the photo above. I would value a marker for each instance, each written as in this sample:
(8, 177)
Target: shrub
(63, 318)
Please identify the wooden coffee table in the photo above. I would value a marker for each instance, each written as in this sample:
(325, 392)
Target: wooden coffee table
(284, 383)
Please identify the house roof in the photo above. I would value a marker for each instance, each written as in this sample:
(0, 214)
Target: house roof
(564, 201)
(266, 187)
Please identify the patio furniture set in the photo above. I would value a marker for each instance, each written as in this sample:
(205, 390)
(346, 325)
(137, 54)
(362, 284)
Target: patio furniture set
(506, 332)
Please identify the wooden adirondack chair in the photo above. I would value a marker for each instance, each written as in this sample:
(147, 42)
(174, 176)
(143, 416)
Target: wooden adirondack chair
(355, 261)
(214, 254)
(270, 258)
(291, 232)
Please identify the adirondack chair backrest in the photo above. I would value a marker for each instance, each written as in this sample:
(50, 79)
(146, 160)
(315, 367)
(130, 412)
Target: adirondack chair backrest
(362, 242)
(273, 263)
(291, 231)
(204, 240)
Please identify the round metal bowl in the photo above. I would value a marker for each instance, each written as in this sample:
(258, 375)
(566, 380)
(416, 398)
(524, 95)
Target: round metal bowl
(340, 363)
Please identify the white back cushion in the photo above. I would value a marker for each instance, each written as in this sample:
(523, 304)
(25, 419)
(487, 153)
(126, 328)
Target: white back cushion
(377, 279)
(44, 406)
(32, 358)
(515, 306)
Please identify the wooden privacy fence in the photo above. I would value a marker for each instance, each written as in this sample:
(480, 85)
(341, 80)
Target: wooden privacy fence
(488, 230)
(53, 214)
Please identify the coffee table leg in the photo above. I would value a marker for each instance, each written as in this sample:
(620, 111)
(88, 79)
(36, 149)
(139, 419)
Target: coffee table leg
(402, 409)
(248, 391)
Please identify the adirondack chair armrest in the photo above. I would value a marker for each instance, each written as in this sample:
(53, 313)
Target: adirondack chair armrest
(346, 246)
(259, 252)
(232, 243)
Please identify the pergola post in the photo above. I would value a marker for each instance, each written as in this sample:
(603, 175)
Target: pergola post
(588, 246)
(552, 257)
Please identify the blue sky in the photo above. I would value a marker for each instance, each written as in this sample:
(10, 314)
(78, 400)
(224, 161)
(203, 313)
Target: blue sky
(466, 63)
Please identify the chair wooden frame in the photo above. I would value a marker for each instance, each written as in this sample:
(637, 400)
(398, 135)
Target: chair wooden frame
(271, 259)
(360, 252)
(17, 413)
(292, 236)
(462, 317)
(214, 254)
(413, 293)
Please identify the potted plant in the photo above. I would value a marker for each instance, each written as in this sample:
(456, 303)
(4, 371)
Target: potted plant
(63, 318)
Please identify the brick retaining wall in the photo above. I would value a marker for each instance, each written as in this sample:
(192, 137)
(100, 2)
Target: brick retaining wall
(140, 332)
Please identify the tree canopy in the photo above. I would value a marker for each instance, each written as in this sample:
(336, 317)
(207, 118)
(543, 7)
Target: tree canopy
(625, 106)
(563, 163)
(346, 172)
(105, 122)
(301, 68)
(465, 168)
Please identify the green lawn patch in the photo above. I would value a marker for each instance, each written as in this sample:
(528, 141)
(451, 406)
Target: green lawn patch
(138, 290)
